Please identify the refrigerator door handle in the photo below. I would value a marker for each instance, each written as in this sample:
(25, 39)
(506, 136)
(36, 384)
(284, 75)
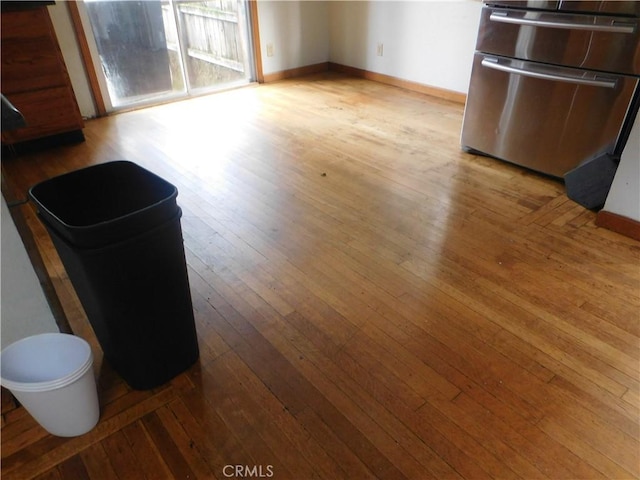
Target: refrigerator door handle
(493, 63)
(613, 26)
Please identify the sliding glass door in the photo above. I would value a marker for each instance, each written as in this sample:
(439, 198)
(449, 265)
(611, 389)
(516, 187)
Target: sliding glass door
(152, 51)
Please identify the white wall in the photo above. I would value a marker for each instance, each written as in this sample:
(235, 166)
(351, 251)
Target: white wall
(298, 31)
(624, 196)
(428, 42)
(63, 27)
(24, 310)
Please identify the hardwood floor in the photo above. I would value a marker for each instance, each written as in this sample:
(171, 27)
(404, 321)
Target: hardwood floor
(371, 302)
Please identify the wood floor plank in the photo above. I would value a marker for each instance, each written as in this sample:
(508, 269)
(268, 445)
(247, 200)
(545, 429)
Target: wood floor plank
(97, 462)
(242, 420)
(283, 383)
(190, 451)
(171, 455)
(216, 445)
(73, 468)
(549, 456)
(390, 425)
(20, 430)
(593, 456)
(612, 443)
(350, 466)
(49, 451)
(53, 474)
(301, 438)
(121, 456)
(535, 331)
(267, 416)
(151, 455)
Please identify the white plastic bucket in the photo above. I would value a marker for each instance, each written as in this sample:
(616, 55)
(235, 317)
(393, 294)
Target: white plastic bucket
(52, 376)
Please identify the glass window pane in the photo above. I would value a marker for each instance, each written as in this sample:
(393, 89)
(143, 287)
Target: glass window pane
(214, 42)
(135, 53)
(151, 50)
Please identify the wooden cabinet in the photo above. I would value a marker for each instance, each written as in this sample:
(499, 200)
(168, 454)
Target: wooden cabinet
(34, 76)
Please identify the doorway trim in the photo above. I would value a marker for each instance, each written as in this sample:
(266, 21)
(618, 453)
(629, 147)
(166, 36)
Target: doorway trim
(255, 39)
(87, 59)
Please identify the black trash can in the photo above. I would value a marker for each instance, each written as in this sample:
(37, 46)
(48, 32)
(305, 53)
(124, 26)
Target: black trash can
(116, 227)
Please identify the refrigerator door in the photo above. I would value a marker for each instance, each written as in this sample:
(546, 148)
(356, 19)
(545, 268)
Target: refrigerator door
(547, 118)
(614, 7)
(530, 4)
(608, 7)
(593, 42)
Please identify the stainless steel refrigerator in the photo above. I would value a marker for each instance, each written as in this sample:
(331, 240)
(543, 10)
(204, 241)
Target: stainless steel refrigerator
(554, 84)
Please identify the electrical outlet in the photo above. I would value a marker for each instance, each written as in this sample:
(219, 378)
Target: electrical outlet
(380, 49)
(269, 49)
